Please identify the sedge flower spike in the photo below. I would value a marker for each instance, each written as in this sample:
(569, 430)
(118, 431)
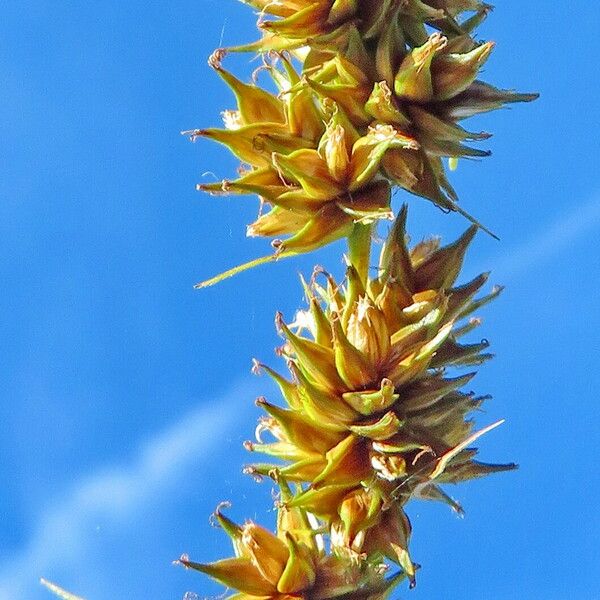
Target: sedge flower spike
(318, 174)
(327, 24)
(362, 98)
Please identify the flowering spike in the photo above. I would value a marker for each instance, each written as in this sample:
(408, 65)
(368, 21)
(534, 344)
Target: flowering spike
(376, 101)
(370, 96)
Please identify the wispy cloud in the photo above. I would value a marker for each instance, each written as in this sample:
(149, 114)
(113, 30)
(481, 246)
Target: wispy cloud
(549, 242)
(114, 493)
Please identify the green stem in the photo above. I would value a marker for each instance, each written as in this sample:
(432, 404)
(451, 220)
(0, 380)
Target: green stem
(241, 268)
(359, 249)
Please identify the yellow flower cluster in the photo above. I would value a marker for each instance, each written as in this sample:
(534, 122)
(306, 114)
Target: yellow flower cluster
(292, 563)
(376, 24)
(372, 418)
(358, 117)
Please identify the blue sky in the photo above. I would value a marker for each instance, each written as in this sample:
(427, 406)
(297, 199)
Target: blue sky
(126, 394)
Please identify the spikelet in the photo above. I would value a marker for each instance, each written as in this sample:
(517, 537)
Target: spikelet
(292, 564)
(423, 93)
(373, 418)
(326, 24)
(323, 153)
(306, 161)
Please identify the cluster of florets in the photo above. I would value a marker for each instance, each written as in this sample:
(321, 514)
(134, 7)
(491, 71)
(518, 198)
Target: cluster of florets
(366, 99)
(373, 419)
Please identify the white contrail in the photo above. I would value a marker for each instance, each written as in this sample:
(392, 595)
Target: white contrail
(63, 531)
(580, 221)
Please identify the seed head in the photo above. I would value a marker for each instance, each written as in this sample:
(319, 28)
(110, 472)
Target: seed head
(373, 419)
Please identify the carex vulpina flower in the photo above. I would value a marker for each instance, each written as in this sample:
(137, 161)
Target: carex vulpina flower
(292, 563)
(372, 416)
(323, 153)
(363, 96)
(413, 64)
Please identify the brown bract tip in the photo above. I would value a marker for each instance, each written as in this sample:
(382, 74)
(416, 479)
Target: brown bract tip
(216, 58)
(193, 134)
(279, 323)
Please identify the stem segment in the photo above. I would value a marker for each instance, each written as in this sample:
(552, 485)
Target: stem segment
(359, 249)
